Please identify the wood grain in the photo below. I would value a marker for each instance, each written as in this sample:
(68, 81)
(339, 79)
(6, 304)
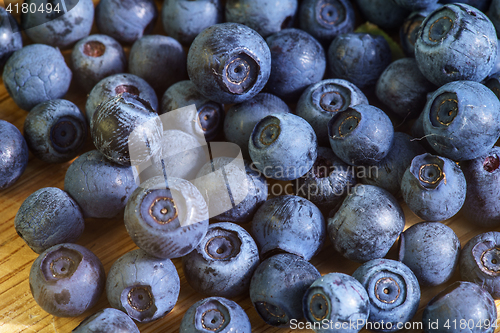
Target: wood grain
(109, 240)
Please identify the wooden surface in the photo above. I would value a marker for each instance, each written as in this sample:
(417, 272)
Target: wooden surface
(109, 240)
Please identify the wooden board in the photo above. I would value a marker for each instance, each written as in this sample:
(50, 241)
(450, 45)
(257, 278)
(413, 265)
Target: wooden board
(109, 240)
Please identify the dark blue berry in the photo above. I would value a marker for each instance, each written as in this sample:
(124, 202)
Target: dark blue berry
(13, 154)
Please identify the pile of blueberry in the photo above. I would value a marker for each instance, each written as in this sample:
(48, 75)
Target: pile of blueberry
(313, 106)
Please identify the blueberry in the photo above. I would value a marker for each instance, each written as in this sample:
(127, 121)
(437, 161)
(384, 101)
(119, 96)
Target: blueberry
(409, 29)
(416, 4)
(482, 177)
(95, 58)
(13, 154)
(361, 135)
(496, 67)
(114, 85)
(389, 172)
(113, 124)
(100, 187)
(292, 69)
(49, 217)
(35, 74)
(55, 131)
(71, 24)
(328, 182)
(443, 37)
(337, 298)
(11, 36)
(265, 17)
(209, 113)
(241, 118)
(290, 224)
(326, 19)
(159, 60)
(166, 222)
(403, 88)
(494, 14)
(359, 58)
(184, 20)
(246, 197)
(321, 101)
(144, 287)
(367, 224)
(480, 260)
(126, 20)
(393, 291)
(215, 314)
(482, 5)
(431, 251)
(108, 320)
(493, 82)
(283, 146)
(223, 262)
(66, 280)
(229, 63)
(462, 120)
(433, 187)
(277, 288)
(461, 302)
(384, 13)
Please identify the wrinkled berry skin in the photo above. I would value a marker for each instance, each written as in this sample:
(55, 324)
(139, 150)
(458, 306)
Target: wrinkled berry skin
(403, 88)
(321, 101)
(431, 251)
(367, 224)
(160, 60)
(210, 113)
(337, 298)
(326, 19)
(393, 291)
(265, 17)
(184, 20)
(277, 288)
(100, 187)
(95, 58)
(241, 118)
(144, 287)
(479, 261)
(433, 187)
(166, 222)
(214, 185)
(328, 182)
(126, 20)
(11, 36)
(215, 314)
(361, 135)
(229, 63)
(389, 172)
(108, 320)
(415, 4)
(462, 120)
(291, 224)
(443, 36)
(482, 176)
(409, 29)
(384, 13)
(43, 77)
(461, 302)
(55, 131)
(66, 280)
(482, 5)
(223, 262)
(359, 58)
(49, 217)
(60, 30)
(283, 146)
(13, 154)
(113, 129)
(114, 85)
(292, 69)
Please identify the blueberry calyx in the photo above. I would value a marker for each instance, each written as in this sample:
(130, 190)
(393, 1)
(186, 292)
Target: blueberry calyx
(94, 49)
(330, 12)
(491, 163)
(60, 264)
(209, 116)
(159, 208)
(272, 314)
(223, 244)
(387, 290)
(487, 256)
(139, 302)
(212, 316)
(440, 28)
(345, 123)
(319, 306)
(429, 170)
(444, 109)
(331, 97)
(65, 134)
(240, 73)
(267, 131)
(332, 101)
